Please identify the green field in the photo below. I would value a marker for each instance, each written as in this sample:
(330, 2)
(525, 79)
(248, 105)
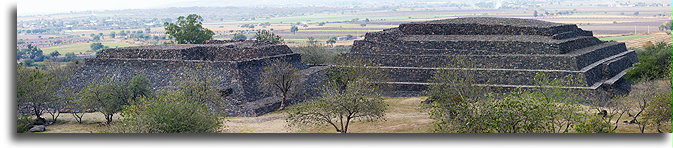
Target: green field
(81, 47)
(620, 38)
(334, 18)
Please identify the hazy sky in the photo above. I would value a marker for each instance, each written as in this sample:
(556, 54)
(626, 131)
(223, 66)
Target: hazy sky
(32, 7)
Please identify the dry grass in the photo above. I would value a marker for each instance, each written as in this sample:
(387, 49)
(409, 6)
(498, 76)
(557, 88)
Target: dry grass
(91, 123)
(403, 116)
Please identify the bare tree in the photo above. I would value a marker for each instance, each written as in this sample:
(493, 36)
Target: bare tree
(281, 78)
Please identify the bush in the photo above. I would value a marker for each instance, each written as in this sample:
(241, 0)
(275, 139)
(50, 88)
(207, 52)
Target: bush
(164, 115)
(654, 63)
(593, 124)
(314, 53)
(23, 123)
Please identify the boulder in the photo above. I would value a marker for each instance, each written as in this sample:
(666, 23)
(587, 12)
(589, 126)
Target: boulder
(37, 128)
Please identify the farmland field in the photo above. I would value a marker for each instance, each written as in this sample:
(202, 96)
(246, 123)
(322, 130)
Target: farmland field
(621, 38)
(82, 47)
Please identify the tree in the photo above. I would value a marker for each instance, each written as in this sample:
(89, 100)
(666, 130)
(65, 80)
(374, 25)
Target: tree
(294, 29)
(62, 74)
(31, 52)
(312, 40)
(113, 34)
(265, 35)
(331, 41)
(140, 86)
(459, 105)
(200, 85)
(350, 94)
(659, 111)
(188, 30)
(535, 13)
(106, 96)
(363, 25)
(54, 54)
(97, 46)
(280, 78)
(239, 36)
(34, 89)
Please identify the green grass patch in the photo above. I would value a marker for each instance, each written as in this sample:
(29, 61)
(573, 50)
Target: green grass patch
(621, 38)
(81, 47)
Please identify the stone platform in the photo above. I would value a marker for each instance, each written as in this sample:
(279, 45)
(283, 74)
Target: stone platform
(237, 65)
(507, 53)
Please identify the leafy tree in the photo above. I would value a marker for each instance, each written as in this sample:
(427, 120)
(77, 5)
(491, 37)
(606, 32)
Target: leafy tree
(294, 29)
(97, 46)
(106, 96)
(312, 40)
(280, 78)
(363, 25)
(62, 74)
(331, 41)
(34, 89)
(265, 35)
(139, 86)
(239, 36)
(54, 54)
(188, 30)
(31, 52)
(666, 26)
(350, 94)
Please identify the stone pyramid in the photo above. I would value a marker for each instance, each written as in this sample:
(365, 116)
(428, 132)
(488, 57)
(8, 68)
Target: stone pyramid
(510, 51)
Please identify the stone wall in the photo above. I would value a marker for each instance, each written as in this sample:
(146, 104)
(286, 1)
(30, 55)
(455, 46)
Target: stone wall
(236, 65)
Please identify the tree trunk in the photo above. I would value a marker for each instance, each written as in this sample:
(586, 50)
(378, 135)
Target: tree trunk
(282, 102)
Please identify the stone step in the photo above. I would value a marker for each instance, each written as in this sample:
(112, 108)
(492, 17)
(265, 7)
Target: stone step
(571, 61)
(598, 71)
(492, 44)
(611, 87)
(485, 26)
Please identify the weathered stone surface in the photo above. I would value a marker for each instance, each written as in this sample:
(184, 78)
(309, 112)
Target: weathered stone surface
(237, 65)
(37, 128)
(507, 53)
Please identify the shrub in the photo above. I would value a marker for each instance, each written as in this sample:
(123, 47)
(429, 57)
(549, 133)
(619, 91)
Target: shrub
(593, 124)
(23, 123)
(167, 115)
(314, 53)
(654, 63)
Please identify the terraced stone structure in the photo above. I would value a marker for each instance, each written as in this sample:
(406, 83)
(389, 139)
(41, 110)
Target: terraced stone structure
(506, 52)
(235, 65)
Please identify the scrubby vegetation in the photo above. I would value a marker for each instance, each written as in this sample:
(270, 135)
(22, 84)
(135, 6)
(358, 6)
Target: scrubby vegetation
(167, 115)
(459, 106)
(654, 62)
